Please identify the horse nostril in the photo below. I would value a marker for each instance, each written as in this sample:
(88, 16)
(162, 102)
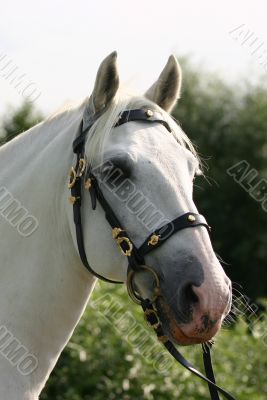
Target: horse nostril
(187, 300)
(190, 296)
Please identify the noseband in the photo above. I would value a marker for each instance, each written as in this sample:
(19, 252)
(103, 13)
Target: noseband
(83, 174)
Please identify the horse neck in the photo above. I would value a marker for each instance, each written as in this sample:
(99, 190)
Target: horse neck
(43, 288)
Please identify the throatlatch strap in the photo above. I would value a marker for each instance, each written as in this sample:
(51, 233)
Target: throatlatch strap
(76, 198)
(79, 236)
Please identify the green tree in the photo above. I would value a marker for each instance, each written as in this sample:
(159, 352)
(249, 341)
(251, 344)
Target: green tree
(18, 121)
(229, 124)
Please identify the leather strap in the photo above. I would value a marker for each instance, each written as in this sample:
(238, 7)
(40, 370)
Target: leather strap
(76, 193)
(214, 389)
(206, 354)
(145, 115)
(187, 220)
(134, 259)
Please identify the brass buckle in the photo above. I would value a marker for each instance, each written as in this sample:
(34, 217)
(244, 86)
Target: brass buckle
(127, 252)
(121, 239)
(76, 174)
(134, 295)
(149, 312)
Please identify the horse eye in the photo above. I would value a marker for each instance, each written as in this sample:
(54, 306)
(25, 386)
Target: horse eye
(116, 170)
(123, 164)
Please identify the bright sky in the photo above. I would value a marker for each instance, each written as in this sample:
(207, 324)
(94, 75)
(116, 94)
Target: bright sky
(59, 44)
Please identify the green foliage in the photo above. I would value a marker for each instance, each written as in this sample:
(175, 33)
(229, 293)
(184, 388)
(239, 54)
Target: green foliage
(102, 360)
(229, 124)
(18, 121)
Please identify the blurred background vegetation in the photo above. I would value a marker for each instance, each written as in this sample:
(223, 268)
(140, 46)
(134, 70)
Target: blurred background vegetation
(228, 124)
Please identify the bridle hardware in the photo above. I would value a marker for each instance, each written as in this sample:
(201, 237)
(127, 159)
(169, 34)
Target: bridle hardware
(135, 256)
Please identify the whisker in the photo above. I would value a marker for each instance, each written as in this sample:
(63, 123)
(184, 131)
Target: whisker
(220, 259)
(198, 187)
(241, 304)
(210, 180)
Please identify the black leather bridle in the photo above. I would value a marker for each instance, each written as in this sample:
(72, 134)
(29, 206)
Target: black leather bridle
(83, 173)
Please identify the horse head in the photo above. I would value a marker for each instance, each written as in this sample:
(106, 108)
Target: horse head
(144, 168)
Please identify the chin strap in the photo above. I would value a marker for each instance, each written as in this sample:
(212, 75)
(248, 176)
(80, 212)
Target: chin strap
(151, 317)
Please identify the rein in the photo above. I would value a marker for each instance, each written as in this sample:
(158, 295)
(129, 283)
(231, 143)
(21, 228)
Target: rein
(82, 174)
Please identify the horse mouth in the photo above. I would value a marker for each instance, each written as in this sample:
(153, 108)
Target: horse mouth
(175, 331)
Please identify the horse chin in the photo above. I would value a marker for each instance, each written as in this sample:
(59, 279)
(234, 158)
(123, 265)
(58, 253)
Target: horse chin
(175, 331)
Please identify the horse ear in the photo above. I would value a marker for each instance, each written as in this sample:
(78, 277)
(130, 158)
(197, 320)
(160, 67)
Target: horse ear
(106, 84)
(166, 90)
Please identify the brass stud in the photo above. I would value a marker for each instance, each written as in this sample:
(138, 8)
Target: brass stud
(116, 232)
(88, 184)
(191, 218)
(154, 240)
(73, 199)
(149, 113)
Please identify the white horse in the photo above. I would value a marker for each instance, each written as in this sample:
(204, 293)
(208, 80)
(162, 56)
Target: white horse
(44, 287)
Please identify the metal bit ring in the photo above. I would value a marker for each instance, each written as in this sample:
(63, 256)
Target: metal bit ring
(134, 295)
